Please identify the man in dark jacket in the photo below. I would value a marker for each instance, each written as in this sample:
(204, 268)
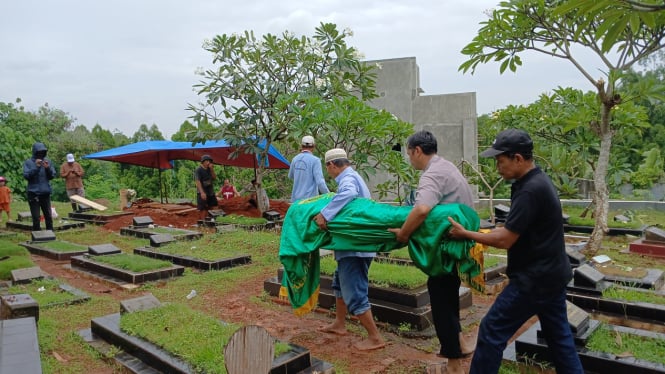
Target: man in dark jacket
(39, 171)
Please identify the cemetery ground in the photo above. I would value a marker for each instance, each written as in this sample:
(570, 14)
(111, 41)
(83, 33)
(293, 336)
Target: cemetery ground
(235, 295)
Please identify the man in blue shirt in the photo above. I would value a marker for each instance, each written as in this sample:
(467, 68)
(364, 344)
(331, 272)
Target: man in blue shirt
(306, 173)
(350, 280)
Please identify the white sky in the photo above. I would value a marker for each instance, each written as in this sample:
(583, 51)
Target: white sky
(123, 63)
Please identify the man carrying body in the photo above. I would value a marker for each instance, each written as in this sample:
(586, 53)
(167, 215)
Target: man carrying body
(205, 192)
(440, 183)
(538, 266)
(306, 173)
(350, 280)
(72, 172)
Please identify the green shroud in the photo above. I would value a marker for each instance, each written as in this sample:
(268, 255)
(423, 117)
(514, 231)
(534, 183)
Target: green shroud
(363, 226)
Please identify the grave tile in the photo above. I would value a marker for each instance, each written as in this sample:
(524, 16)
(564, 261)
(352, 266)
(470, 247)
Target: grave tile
(26, 275)
(158, 240)
(103, 249)
(587, 276)
(43, 236)
(142, 221)
(654, 234)
(137, 304)
(24, 216)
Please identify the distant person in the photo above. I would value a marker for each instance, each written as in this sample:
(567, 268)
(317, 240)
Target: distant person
(538, 266)
(306, 173)
(72, 172)
(5, 198)
(38, 171)
(350, 280)
(227, 190)
(205, 192)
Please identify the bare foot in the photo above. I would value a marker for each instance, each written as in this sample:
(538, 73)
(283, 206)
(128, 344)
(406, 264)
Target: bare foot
(467, 345)
(368, 345)
(332, 329)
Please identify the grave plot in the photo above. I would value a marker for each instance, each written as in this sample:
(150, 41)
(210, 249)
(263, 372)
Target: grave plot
(24, 222)
(208, 253)
(397, 302)
(164, 345)
(46, 291)
(45, 244)
(602, 348)
(143, 227)
(125, 267)
(235, 221)
(590, 290)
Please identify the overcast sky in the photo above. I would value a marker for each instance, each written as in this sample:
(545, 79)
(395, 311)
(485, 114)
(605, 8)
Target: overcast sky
(122, 63)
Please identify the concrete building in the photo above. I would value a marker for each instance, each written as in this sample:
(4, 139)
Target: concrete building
(451, 117)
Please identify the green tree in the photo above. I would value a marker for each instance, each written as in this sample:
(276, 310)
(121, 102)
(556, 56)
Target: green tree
(258, 86)
(562, 29)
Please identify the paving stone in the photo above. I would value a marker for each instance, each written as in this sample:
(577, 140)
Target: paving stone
(158, 240)
(587, 276)
(18, 306)
(271, 215)
(26, 275)
(24, 216)
(43, 236)
(145, 302)
(103, 249)
(142, 221)
(654, 234)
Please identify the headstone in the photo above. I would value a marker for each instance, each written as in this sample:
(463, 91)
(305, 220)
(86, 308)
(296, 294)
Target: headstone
(145, 302)
(577, 318)
(158, 240)
(43, 236)
(575, 257)
(26, 275)
(103, 249)
(621, 218)
(501, 211)
(24, 216)
(18, 306)
(271, 215)
(486, 225)
(587, 276)
(250, 350)
(142, 221)
(565, 217)
(216, 213)
(654, 235)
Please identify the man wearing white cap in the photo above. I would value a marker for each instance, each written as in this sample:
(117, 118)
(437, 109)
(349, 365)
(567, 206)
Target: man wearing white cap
(350, 280)
(306, 173)
(72, 172)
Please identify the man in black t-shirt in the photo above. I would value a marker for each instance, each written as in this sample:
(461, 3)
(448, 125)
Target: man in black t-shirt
(538, 266)
(205, 191)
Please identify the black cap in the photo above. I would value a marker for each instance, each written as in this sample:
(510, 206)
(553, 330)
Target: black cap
(511, 140)
(206, 157)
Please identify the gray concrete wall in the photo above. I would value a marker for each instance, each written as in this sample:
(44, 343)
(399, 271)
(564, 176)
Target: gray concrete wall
(450, 117)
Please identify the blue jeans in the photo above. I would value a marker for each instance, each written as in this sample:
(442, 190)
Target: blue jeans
(351, 283)
(510, 310)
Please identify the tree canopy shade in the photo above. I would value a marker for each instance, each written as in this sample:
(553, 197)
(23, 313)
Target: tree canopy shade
(160, 153)
(564, 29)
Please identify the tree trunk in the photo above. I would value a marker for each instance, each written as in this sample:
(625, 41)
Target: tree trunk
(601, 193)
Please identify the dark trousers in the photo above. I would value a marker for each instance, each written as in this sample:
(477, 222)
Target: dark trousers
(510, 310)
(444, 300)
(37, 202)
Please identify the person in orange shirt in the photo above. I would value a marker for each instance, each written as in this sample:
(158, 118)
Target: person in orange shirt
(72, 172)
(5, 198)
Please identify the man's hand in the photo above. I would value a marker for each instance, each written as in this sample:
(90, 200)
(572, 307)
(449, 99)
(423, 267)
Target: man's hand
(321, 222)
(45, 164)
(398, 235)
(456, 231)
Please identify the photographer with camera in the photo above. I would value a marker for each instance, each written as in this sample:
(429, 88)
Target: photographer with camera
(39, 171)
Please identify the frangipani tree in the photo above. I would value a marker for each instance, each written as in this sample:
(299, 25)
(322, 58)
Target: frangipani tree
(564, 29)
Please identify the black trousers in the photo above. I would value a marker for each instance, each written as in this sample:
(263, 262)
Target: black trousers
(43, 202)
(444, 300)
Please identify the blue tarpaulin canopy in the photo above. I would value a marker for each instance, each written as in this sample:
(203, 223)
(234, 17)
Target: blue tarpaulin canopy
(160, 153)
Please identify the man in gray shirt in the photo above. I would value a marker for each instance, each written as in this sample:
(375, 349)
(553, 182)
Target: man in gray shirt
(440, 183)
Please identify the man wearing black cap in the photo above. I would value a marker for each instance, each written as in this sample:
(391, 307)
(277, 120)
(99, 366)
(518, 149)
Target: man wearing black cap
(538, 266)
(205, 192)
